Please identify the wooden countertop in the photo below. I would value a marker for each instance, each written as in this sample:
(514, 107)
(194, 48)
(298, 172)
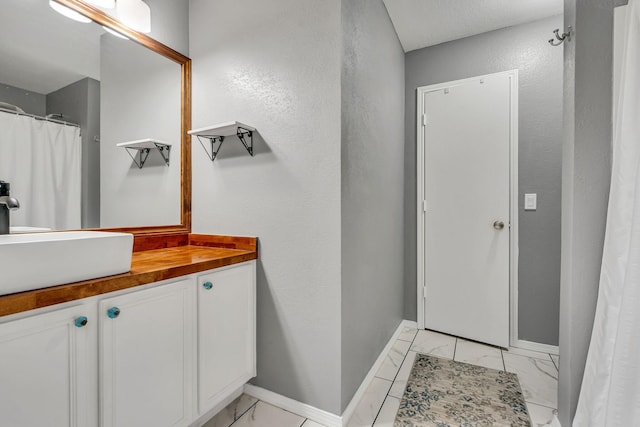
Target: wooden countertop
(197, 253)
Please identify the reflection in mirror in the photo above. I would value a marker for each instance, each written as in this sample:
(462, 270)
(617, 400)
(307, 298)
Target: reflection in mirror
(69, 93)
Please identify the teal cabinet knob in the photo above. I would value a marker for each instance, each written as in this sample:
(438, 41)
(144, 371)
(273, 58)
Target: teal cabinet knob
(113, 312)
(207, 285)
(81, 321)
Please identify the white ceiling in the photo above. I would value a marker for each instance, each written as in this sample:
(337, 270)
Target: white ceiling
(42, 51)
(422, 23)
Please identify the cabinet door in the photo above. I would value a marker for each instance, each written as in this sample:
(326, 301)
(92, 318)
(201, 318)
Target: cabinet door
(147, 357)
(48, 370)
(226, 332)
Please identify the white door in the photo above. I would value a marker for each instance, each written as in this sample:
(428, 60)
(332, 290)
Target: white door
(467, 138)
(226, 332)
(48, 369)
(147, 357)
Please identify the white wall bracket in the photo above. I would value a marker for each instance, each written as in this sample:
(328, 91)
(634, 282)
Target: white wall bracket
(216, 135)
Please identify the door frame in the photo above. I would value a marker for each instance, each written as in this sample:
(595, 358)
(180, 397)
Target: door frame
(513, 196)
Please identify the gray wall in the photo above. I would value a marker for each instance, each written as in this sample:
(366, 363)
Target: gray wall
(372, 187)
(30, 102)
(80, 103)
(170, 23)
(140, 99)
(539, 65)
(586, 172)
(276, 65)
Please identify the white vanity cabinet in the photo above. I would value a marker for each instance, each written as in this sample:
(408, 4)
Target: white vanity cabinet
(48, 369)
(167, 354)
(226, 332)
(147, 357)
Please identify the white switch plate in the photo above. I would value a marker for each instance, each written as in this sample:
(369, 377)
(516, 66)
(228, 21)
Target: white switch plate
(530, 201)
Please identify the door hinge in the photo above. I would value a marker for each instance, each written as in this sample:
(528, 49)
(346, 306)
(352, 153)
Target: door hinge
(424, 205)
(424, 120)
(424, 292)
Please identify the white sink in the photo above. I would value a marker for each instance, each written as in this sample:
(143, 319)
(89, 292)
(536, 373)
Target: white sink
(23, 229)
(39, 260)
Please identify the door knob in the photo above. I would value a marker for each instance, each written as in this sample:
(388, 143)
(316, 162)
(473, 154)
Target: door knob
(207, 285)
(81, 321)
(498, 225)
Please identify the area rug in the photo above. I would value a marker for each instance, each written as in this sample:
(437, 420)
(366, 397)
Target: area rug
(444, 393)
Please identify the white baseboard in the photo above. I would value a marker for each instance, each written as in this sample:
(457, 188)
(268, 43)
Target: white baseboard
(351, 407)
(331, 420)
(536, 346)
(318, 415)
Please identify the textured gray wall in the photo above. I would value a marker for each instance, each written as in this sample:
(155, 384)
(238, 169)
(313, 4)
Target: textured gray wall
(372, 187)
(80, 103)
(586, 173)
(525, 48)
(275, 65)
(30, 102)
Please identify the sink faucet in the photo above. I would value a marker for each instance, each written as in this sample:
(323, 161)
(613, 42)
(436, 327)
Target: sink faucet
(7, 203)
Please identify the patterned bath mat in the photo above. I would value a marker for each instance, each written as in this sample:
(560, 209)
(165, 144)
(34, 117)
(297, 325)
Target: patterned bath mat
(444, 393)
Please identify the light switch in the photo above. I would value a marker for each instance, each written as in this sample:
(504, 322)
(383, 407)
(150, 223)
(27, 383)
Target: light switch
(530, 201)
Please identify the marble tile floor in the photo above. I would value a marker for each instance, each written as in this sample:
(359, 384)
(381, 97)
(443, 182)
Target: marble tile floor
(537, 372)
(247, 411)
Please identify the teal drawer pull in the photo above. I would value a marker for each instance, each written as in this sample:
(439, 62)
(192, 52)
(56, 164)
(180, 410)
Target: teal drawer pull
(81, 321)
(113, 312)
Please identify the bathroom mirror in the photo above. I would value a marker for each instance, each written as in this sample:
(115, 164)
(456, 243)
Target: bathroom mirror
(70, 92)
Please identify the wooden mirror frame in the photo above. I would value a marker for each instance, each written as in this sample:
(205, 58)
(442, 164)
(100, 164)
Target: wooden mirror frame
(102, 18)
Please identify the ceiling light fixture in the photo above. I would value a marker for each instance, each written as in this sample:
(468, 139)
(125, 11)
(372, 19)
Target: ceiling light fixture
(115, 33)
(135, 14)
(107, 4)
(69, 13)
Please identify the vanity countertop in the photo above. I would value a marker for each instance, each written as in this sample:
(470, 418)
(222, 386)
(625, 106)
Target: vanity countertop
(153, 260)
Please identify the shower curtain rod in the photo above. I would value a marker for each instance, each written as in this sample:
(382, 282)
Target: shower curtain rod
(18, 113)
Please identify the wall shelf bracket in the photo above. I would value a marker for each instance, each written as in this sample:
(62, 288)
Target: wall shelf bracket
(213, 140)
(216, 134)
(242, 134)
(139, 150)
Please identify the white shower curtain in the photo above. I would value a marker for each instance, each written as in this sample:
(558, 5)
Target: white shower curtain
(610, 394)
(42, 161)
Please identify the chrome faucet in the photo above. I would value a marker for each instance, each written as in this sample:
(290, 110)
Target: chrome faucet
(7, 203)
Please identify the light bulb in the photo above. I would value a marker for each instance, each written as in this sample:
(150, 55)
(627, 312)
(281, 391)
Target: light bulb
(69, 13)
(135, 14)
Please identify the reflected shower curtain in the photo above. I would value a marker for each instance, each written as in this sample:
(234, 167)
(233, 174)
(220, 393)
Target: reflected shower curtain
(42, 161)
(610, 394)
